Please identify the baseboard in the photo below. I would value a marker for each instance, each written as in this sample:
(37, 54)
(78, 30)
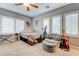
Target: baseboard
(75, 47)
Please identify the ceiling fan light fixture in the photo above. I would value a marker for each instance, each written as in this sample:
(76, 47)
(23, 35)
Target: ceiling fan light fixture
(26, 4)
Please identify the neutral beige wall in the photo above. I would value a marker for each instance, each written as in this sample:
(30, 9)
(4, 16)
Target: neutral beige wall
(74, 41)
(0, 24)
(62, 10)
(38, 26)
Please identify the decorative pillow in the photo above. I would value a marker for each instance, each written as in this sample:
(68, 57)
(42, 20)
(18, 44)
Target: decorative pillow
(29, 29)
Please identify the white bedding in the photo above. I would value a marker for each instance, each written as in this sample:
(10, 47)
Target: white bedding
(31, 36)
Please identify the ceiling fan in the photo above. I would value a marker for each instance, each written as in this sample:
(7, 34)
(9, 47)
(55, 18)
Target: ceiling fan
(28, 5)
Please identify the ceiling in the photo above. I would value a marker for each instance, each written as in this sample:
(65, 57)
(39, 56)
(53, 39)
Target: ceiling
(43, 7)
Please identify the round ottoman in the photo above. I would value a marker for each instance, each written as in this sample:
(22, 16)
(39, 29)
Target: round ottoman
(49, 45)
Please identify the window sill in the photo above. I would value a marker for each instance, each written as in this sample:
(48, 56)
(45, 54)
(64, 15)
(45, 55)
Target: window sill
(73, 36)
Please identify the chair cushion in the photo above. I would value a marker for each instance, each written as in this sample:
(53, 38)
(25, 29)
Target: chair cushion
(50, 40)
(49, 45)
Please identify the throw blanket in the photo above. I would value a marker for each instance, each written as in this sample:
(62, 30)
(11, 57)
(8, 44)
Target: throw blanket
(30, 36)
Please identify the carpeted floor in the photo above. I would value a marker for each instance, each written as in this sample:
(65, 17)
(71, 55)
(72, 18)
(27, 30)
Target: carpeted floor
(19, 48)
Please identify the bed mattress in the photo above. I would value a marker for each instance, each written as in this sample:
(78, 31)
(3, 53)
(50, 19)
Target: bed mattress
(30, 36)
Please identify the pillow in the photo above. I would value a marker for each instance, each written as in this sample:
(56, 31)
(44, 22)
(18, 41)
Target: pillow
(28, 29)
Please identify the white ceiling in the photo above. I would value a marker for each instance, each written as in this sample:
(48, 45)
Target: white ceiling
(34, 12)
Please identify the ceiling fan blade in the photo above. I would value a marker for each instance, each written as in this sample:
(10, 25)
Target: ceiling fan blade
(19, 4)
(28, 9)
(34, 5)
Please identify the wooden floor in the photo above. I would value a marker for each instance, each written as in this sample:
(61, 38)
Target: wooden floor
(19, 48)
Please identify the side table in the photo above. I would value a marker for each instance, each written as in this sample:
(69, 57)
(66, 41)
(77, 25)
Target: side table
(17, 36)
(40, 39)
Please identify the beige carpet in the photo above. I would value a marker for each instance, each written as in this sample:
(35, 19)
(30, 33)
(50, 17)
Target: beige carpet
(19, 48)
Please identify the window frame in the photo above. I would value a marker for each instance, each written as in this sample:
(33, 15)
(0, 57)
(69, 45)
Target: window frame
(13, 25)
(49, 23)
(16, 26)
(69, 13)
(60, 23)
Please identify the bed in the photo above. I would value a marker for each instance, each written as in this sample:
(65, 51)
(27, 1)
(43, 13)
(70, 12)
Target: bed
(30, 38)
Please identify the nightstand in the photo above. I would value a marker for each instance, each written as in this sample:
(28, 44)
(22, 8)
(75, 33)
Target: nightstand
(40, 39)
(17, 36)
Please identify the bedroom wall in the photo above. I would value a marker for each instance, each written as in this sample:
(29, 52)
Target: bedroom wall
(62, 10)
(0, 24)
(14, 15)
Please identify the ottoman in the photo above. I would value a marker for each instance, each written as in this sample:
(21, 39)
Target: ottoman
(49, 45)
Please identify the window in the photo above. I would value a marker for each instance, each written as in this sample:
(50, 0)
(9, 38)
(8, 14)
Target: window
(46, 24)
(19, 25)
(7, 25)
(71, 24)
(56, 24)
